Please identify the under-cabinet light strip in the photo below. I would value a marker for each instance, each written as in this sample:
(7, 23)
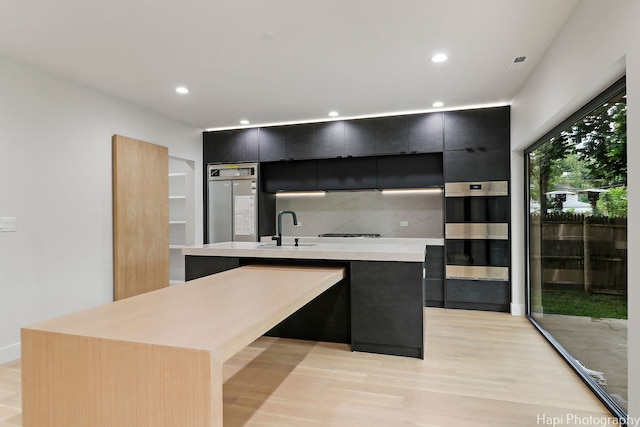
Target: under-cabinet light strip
(301, 193)
(413, 191)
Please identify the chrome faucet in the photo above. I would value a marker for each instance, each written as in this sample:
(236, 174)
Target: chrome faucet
(278, 238)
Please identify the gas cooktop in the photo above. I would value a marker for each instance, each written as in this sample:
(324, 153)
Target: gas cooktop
(349, 235)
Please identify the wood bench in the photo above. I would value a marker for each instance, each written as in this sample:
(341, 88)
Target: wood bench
(156, 359)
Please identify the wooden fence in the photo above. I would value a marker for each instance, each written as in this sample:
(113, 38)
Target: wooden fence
(570, 251)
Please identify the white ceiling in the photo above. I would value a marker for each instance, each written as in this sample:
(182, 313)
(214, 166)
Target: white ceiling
(285, 60)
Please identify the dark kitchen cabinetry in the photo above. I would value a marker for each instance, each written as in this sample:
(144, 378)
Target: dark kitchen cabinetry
(412, 171)
(298, 142)
(363, 173)
(300, 175)
(239, 145)
(476, 144)
(434, 277)
(273, 143)
(391, 135)
(487, 295)
(389, 307)
(416, 133)
(347, 174)
(201, 266)
(425, 133)
(328, 140)
(489, 127)
(359, 137)
(476, 164)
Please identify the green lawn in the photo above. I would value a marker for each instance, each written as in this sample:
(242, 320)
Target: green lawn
(580, 303)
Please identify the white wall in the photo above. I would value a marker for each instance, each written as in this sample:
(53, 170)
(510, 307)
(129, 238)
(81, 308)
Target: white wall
(55, 177)
(599, 41)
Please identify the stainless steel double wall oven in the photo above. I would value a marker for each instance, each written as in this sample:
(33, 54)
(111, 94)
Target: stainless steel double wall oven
(477, 243)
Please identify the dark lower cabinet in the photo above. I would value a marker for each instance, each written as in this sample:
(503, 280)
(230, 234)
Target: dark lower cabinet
(387, 308)
(434, 277)
(487, 295)
(200, 266)
(325, 318)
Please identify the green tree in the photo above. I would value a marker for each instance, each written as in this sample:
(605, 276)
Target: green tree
(545, 166)
(600, 141)
(614, 203)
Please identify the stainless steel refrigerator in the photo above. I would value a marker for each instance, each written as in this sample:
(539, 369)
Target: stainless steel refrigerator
(232, 202)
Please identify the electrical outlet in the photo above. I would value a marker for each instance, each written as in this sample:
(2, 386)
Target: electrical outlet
(7, 224)
(404, 223)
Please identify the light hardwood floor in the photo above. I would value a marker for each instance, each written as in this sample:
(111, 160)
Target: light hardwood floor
(481, 369)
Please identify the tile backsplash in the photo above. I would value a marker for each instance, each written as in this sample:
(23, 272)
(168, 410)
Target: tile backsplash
(390, 215)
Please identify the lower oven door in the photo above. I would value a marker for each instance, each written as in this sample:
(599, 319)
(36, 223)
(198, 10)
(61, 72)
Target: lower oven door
(484, 259)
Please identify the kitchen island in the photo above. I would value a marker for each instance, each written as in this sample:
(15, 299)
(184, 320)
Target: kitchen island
(377, 308)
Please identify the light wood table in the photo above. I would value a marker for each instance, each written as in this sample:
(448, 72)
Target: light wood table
(156, 359)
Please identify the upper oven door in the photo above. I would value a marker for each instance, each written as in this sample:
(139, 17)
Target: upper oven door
(477, 202)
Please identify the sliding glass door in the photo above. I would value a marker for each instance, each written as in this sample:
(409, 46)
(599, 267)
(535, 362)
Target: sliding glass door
(577, 242)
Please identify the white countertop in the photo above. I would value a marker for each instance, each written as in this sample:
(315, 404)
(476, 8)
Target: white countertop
(329, 248)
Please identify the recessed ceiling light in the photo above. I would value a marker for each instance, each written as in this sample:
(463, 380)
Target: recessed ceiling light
(439, 57)
(182, 90)
(438, 104)
(244, 122)
(333, 114)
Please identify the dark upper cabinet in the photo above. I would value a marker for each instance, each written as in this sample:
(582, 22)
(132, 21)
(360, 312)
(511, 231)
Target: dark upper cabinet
(484, 128)
(476, 164)
(273, 143)
(493, 127)
(425, 133)
(391, 135)
(459, 129)
(328, 140)
(418, 133)
(290, 176)
(300, 142)
(359, 137)
(347, 174)
(413, 171)
(239, 145)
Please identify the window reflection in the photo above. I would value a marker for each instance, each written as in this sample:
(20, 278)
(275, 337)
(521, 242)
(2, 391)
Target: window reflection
(577, 240)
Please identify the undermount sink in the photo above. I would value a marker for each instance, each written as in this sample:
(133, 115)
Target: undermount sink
(287, 246)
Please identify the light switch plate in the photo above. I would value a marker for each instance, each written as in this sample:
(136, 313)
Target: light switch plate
(404, 223)
(7, 224)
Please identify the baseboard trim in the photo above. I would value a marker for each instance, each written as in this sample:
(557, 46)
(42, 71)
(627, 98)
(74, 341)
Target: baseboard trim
(518, 309)
(9, 353)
